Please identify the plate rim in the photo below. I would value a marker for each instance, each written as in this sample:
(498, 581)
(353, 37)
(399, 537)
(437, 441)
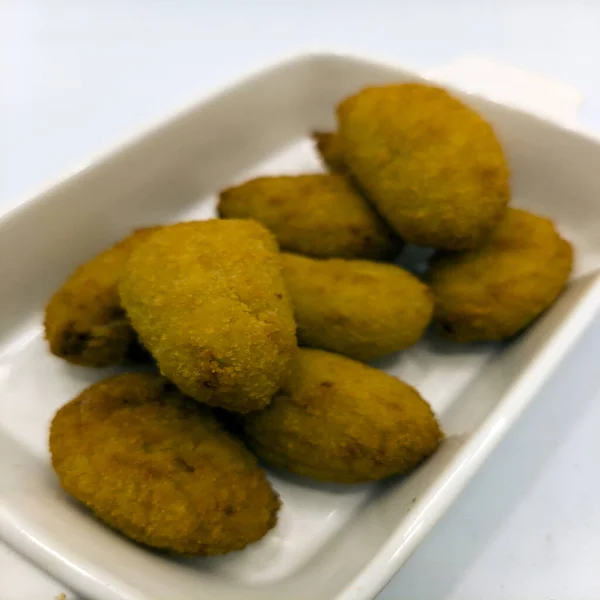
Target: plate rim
(387, 560)
(473, 454)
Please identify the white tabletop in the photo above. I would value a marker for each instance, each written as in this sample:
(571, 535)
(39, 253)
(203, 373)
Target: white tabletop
(78, 75)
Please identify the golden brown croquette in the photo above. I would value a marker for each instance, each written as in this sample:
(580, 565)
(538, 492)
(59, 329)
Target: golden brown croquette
(358, 308)
(496, 291)
(84, 321)
(331, 151)
(208, 301)
(157, 467)
(431, 165)
(319, 215)
(340, 420)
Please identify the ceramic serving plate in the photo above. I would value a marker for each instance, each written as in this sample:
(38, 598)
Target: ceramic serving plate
(332, 542)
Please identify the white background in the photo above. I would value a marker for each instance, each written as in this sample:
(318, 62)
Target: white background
(77, 76)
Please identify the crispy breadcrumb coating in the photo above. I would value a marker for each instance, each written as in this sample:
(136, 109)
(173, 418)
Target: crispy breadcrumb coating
(431, 165)
(319, 215)
(358, 308)
(340, 420)
(496, 291)
(208, 301)
(331, 151)
(84, 321)
(158, 467)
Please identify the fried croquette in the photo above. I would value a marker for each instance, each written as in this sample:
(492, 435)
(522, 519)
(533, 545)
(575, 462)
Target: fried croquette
(342, 421)
(432, 166)
(208, 301)
(331, 151)
(84, 321)
(318, 215)
(157, 467)
(358, 308)
(494, 292)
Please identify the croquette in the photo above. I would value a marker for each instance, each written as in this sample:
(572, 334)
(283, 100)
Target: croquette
(358, 308)
(331, 151)
(494, 292)
(319, 215)
(342, 421)
(208, 301)
(157, 467)
(431, 165)
(84, 321)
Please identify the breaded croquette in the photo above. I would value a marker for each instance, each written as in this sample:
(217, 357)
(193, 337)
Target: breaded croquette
(329, 147)
(157, 467)
(84, 321)
(208, 301)
(358, 308)
(340, 420)
(319, 215)
(496, 291)
(431, 165)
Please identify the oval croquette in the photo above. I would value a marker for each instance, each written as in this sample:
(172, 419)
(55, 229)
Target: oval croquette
(84, 321)
(358, 308)
(432, 166)
(342, 421)
(496, 291)
(318, 215)
(208, 301)
(329, 147)
(158, 467)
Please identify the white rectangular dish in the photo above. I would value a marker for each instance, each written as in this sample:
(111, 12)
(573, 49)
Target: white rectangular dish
(332, 543)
